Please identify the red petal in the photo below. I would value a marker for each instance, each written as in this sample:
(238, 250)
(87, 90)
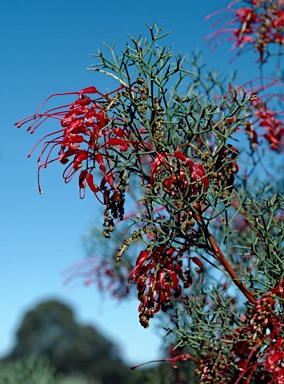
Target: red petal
(82, 177)
(159, 159)
(121, 143)
(70, 152)
(100, 160)
(90, 181)
(180, 156)
(101, 118)
(119, 132)
(199, 264)
(81, 156)
(88, 90)
(143, 255)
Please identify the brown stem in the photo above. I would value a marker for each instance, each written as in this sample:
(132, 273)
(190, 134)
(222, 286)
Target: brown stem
(219, 256)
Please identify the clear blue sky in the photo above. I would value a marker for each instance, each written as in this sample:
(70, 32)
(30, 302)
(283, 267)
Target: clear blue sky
(45, 47)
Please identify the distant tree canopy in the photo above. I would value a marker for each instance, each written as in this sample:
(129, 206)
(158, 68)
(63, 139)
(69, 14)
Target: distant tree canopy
(50, 330)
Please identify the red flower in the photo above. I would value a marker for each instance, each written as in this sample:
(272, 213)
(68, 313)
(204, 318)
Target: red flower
(158, 275)
(187, 176)
(87, 136)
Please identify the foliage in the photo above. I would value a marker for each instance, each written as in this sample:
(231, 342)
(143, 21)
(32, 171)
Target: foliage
(75, 379)
(206, 242)
(34, 370)
(27, 371)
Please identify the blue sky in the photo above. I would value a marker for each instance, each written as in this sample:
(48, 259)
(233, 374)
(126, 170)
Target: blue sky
(45, 48)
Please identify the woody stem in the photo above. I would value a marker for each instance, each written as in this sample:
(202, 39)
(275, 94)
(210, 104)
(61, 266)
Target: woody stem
(219, 256)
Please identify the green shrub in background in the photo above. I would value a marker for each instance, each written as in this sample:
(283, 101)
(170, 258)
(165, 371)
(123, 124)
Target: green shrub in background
(31, 370)
(34, 370)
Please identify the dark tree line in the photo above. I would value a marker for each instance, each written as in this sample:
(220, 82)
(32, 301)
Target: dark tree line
(51, 345)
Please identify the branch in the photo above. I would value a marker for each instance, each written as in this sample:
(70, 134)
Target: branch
(219, 256)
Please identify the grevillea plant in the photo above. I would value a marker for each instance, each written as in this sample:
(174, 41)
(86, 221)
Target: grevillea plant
(204, 245)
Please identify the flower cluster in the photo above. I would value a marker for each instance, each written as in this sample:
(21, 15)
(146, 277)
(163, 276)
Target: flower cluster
(269, 121)
(158, 275)
(89, 138)
(86, 137)
(263, 119)
(258, 347)
(185, 179)
(257, 26)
